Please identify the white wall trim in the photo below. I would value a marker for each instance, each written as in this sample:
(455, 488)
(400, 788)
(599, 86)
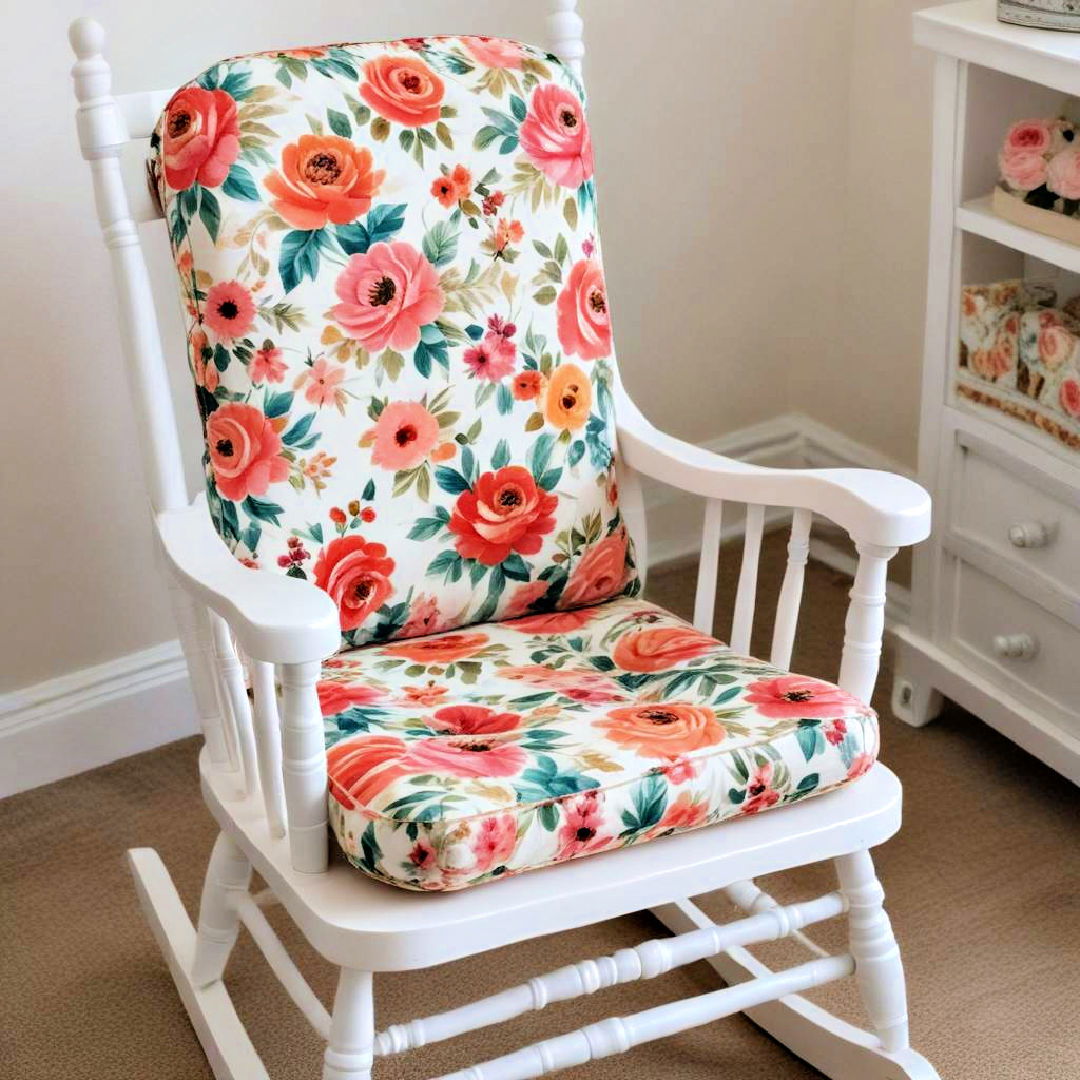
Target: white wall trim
(97, 715)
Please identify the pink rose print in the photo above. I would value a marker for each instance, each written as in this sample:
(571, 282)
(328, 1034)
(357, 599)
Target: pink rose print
(584, 323)
(387, 294)
(555, 136)
(405, 433)
(799, 697)
(200, 138)
(494, 52)
(466, 756)
(582, 826)
(1070, 396)
(245, 451)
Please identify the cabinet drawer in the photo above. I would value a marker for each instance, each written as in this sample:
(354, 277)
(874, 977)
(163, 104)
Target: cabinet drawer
(1018, 643)
(1018, 513)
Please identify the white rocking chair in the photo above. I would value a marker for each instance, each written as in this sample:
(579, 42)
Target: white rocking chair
(265, 783)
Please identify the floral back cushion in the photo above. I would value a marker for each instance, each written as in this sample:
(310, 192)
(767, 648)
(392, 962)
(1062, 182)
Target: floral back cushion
(399, 329)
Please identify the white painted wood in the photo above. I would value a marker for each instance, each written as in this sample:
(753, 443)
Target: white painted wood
(834, 1047)
(565, 27)
(304, 767)
(142, 110)
(617, 1035)
(102, 134)
(748, 897)
(288, 974)
(229, 872)
(645, 961)
(268, 744)
(708, 561)
(878, 968)
(210, 1009)
(787, 606)
(742, 623)
(233, 688)
(992, 614)
(865, 622)
(350, 1050)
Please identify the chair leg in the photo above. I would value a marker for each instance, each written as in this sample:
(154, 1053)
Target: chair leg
(350, 1051)
(229, 872)
(878, 967)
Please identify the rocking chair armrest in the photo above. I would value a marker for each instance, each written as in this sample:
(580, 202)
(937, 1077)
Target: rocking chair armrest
(275, 618)
(874, 507)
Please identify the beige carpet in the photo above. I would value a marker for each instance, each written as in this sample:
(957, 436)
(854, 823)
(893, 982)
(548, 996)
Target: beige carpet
(982, 885)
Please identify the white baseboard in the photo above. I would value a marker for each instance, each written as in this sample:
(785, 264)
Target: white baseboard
(92, 717)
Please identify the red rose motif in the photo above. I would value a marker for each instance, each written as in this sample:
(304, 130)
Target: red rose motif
(555, 136)
(336, 697)
(472, 720)
(356, 575)
(504, 512)
(200, 138)
(245, 451)
(600, 574)
(584, 322)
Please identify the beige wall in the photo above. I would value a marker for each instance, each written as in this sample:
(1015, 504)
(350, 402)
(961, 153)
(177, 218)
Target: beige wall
(737, 239)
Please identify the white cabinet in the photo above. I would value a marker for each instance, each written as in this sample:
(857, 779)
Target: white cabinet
(995, 622)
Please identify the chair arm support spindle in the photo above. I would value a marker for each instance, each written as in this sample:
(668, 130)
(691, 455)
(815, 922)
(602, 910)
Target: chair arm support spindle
(304, 767)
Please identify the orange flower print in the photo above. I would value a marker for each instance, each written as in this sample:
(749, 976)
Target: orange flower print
(405, 433)
(200, 138)
(358, 769)
(323, 179)
(569, 398)
(336, 697)
(230, 311)
(584, 323)
(403, 89)
(664, 729)
(684, 813)
(527, 385)
(504, 512)
(245, 451)
(439, 650)
(356, 575)
(451, 188)
(660, 647)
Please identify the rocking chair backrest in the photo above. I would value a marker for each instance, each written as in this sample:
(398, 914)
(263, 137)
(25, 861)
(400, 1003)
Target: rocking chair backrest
(398, 324)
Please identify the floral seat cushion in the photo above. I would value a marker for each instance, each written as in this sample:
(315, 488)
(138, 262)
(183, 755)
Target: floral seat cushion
(398, 327)
(463, 756)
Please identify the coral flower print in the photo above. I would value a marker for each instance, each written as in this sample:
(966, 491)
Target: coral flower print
(555, 622)
(600, 573)
(528, 385)
(555, 136)
(664, 729)
(494, 52)
(403, 89)
(583, 825)
(569, 398)
(267, 365)
(495, 840)
(356, 575)
(336, 697)
(1070, 397)
(386, 295)
(760, 794)
(661, 647)
(321, 382)
(361, 768)
(323, 179)
(568, 682)
(466, 756)
(245, 451)
(799, 697)
(452, 187)
(200, 138)
(505, 512)
(439, 650)
(490, 360)
(584, 323)
(230, 311)
(406, 432)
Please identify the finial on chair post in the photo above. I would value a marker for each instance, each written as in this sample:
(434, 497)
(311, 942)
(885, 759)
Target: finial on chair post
(565, 28)
(100, 125)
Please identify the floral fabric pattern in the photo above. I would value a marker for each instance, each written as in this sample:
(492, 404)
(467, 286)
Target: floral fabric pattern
(462, 757)
(1020, 354)
(399, 329)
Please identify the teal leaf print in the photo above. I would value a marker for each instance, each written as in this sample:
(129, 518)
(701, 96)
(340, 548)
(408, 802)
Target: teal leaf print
(299, 257)
(450, 480)
(277, 403)
(440, 243)
(263, 509)
(544, 780)
(383, 223)
(210, 212)
(810, 738)
(239, 185)
(650, 802)
(339, 123)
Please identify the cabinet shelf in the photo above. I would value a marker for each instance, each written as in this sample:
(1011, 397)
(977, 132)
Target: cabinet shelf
(977, 216)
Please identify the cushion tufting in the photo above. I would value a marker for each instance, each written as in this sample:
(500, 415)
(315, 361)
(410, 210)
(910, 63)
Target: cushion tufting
(398, 327)
(460, 757)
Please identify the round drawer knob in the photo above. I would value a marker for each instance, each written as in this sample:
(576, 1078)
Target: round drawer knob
(1029, 534)
(1015, 646)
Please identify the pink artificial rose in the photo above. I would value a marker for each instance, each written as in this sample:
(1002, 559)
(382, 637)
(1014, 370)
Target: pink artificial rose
(1063, 174)
(1070, 397)
(494, 52)
(1023, 170)
(387, 294)
(584, 323)
(1029, 135)
(555, 136)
